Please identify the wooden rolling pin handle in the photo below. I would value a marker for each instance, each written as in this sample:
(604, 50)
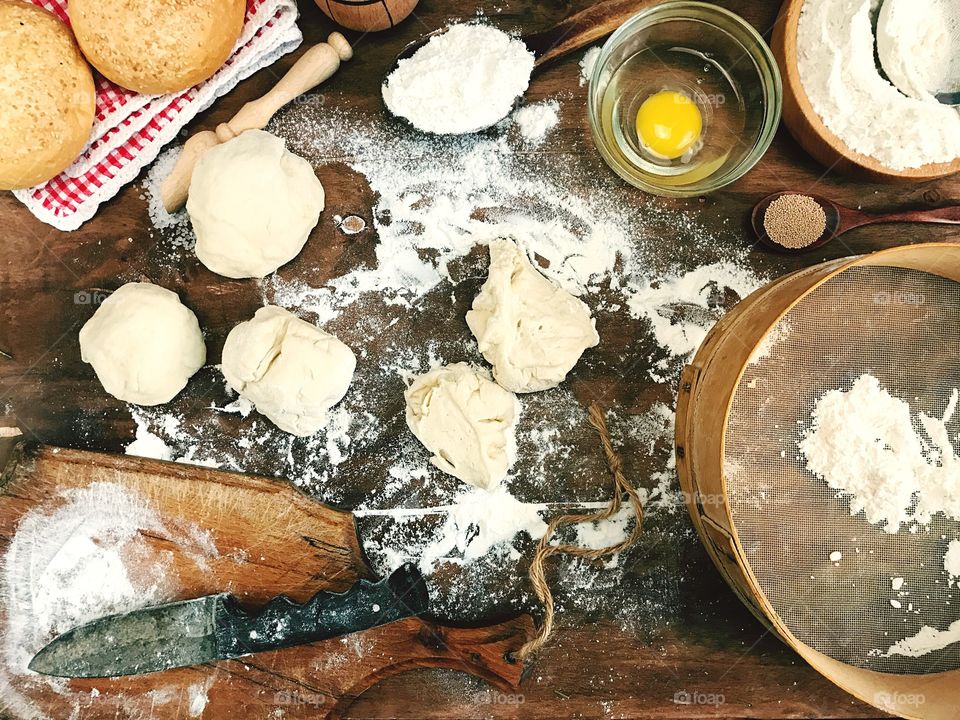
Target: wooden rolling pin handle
(312, 68)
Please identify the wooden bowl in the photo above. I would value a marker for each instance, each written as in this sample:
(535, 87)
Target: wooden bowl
(367, 15)
(807, 127)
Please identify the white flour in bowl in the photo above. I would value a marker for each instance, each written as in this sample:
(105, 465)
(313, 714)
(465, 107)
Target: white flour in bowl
(835, 59)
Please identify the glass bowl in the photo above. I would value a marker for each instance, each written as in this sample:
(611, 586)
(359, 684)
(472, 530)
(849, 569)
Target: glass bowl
(703, 52)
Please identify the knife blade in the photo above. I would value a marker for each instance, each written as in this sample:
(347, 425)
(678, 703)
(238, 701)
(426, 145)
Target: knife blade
(215, 627)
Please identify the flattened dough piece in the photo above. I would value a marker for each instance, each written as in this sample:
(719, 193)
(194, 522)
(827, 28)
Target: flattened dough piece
(293, 372)
(532, 331)
(466, 421)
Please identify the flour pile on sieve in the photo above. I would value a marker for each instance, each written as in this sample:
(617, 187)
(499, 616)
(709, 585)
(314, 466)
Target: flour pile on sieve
(895, 468)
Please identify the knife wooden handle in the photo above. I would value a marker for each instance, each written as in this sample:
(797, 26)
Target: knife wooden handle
(312, 68)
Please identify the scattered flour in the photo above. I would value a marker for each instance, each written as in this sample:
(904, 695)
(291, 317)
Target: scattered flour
(461, 81)
(587, 63)
(863, 442)
(535, 121)
(78, 560)
(681, 308)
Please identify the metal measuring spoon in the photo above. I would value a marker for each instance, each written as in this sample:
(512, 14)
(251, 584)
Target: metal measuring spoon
(840, 219)
(573, 33)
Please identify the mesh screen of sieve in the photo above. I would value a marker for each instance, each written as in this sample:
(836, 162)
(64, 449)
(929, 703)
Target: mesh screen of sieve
(903, 327)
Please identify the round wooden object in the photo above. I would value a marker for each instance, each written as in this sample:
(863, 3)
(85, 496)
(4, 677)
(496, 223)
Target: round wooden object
(367, 15)
(807, 127)
(708, 388)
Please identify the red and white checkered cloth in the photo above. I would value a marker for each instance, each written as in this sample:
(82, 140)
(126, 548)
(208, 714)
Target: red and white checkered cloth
(130, 129)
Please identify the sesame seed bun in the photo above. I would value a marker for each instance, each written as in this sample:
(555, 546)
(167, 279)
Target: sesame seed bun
(157, 46)
(47, 96)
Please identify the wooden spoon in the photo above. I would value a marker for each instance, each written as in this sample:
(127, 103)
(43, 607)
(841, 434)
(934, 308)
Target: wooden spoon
(312, 68)
(569, 35)
(840, 219)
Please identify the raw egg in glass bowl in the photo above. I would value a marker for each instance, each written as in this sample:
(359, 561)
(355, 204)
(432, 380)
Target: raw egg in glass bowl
(684, 98)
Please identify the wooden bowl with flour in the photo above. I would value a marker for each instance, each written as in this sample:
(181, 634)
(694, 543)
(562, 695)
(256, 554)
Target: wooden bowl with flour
(809, 130)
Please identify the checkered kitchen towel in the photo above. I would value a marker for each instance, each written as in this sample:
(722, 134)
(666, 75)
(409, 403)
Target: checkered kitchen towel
(130, 129)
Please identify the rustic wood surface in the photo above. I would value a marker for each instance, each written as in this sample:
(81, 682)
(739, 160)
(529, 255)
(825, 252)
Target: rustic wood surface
(301, 547)
(704, 643)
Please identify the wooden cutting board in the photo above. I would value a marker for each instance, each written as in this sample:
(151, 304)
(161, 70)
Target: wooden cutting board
(269, 540)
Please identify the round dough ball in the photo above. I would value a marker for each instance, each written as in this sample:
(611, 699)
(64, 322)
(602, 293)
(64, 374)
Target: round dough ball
(252, 204)
(143, 344)
(293, 372)
(157, 46)
(47, 96)
(467, 421)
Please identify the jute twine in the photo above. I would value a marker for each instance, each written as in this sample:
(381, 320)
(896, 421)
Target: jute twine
(545, 550)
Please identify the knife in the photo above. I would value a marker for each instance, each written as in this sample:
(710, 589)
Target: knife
(214, 627)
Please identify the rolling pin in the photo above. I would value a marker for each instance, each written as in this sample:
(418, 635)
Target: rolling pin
(314, 66)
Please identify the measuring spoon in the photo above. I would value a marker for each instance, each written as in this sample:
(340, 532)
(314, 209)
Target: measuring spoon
(840, 219)
(573, 33)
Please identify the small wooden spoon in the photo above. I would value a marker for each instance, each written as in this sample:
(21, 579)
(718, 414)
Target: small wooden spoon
(840, 219)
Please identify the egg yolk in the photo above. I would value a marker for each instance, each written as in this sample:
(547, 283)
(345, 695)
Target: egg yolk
(668, 124)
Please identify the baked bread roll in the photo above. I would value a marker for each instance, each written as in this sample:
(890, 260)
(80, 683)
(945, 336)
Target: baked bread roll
(157, 46)
(47, 97)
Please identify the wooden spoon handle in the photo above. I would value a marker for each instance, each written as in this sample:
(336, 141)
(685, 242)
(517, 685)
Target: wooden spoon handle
(312, 68)
(948, 215)
(582, 29)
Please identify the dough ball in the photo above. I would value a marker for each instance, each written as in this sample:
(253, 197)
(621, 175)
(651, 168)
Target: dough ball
(143, 343)
(47, 96)
(293, 372)
(157, 46)
(466, 421)
(252, 204)
(532, 331)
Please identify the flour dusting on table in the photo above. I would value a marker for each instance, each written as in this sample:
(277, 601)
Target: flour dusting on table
(78, 560)
(437, 202)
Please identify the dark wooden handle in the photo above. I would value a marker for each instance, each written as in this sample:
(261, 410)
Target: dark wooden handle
(582, 29)
(415, 643)
(949, 215)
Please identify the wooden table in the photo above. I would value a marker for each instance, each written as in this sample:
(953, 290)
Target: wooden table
(700, 640)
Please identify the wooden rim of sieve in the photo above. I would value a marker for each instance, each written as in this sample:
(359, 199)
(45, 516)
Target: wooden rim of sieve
(718, 357)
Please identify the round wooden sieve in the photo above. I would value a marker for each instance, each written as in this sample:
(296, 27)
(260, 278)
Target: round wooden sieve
(770, 525)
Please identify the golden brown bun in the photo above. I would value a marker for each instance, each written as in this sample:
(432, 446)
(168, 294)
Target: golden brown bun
(46, 97)
(157, 46)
